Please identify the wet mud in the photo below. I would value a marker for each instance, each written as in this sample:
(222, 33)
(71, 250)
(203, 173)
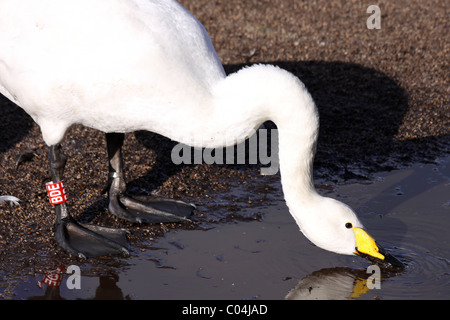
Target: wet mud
(268, 258)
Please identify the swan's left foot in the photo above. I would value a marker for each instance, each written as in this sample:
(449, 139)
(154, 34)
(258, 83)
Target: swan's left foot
(142, 209)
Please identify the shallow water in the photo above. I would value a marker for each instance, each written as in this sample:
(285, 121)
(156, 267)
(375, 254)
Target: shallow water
(407, 211)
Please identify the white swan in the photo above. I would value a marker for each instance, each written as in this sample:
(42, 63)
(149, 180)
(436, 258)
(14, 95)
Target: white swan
(125, 65)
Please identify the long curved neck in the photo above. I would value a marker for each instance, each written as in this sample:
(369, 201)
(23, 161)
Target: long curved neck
(297, 145)
(298, 133)
(261, 93)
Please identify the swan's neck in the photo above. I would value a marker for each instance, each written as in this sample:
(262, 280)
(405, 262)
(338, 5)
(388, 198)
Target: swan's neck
(261, 93)
(297, 144)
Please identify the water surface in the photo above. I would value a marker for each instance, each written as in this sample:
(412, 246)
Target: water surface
(407, 211)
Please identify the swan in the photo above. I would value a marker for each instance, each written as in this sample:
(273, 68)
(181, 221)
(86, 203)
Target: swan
(124, 65)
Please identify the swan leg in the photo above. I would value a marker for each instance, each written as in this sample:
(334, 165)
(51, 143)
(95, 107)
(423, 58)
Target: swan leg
(76, 238)
(138, 209)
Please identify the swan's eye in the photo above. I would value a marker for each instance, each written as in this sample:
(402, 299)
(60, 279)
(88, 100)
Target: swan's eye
(348, 225)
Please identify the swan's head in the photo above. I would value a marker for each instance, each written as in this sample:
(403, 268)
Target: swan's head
(333, 226)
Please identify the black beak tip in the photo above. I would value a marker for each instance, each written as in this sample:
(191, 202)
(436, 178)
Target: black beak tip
(389, 261)
(392, 262)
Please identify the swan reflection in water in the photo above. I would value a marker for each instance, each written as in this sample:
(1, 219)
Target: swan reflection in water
(339, 283)
(107, 290)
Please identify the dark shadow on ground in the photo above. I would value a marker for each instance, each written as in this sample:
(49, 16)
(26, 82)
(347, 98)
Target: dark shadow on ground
(14, 125)
(361, 110)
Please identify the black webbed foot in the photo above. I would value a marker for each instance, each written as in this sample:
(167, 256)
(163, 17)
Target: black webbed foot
(90, 240)
(149, 209)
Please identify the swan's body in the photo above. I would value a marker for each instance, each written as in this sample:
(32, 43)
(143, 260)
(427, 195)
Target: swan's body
(126, 65)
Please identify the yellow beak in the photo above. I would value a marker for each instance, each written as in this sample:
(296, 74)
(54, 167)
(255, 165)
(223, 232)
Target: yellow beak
(366, 244)
(366, 247)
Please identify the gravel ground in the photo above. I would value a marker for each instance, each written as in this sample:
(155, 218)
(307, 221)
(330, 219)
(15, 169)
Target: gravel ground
(382, 97)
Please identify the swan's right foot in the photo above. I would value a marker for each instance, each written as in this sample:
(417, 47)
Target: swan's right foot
(149, 209)
(138, 209)
(89, 240)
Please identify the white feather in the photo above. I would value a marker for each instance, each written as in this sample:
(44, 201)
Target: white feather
(12, 200)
